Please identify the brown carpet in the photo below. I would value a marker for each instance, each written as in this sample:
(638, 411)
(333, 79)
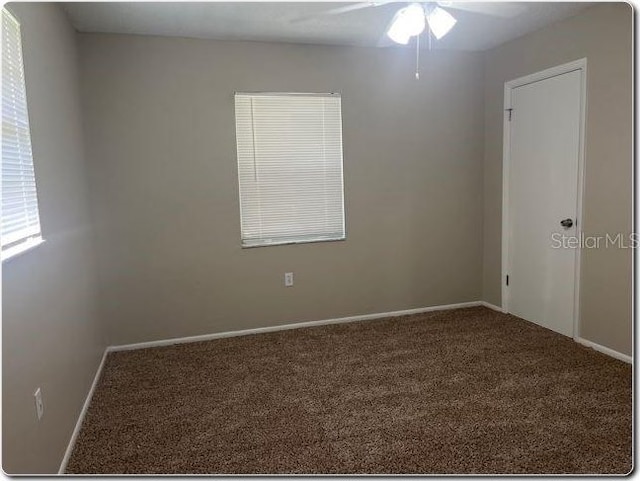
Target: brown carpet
(462, 391)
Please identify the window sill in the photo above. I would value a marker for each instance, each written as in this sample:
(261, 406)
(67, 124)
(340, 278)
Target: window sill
(19, 249)
(293, 242)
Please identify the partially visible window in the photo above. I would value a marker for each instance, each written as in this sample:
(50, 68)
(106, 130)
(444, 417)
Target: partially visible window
(290, 168)
(20, 218)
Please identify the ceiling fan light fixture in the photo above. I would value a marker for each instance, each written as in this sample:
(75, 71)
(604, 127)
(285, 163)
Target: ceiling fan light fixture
(398, 35)
(408, 22)
(440, 22)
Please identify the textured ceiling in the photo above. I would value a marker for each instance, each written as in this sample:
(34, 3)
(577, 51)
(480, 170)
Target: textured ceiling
(276, 21)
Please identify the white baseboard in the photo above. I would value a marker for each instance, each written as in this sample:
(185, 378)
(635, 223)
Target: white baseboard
(605, 350)
(83, 412)
(491, 306)
(283, 327)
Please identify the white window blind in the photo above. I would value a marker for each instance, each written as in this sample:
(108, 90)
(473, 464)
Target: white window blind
(20, 218)
(290, 168)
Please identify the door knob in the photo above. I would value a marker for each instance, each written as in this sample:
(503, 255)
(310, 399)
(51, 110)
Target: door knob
(566, 223)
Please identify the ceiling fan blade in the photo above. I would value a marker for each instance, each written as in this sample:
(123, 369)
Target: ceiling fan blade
(495, 9)
(338, 11)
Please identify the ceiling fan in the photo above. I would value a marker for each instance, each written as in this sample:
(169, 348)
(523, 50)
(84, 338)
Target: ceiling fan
(412, 19)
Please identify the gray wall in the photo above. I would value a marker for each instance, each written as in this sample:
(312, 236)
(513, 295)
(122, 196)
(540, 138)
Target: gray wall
(160, 134)
(423, 196)
(602, 34)
(51, 337)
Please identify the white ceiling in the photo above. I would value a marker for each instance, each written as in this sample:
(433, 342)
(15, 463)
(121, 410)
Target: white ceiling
(272, 21)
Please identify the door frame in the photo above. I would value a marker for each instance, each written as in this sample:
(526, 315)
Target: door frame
(580, 65)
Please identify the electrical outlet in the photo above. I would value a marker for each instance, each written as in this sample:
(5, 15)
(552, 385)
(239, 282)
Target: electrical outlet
(39, 404)
(288, 279)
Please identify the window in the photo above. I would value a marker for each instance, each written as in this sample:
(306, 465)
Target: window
(20, 218)
(290, 168)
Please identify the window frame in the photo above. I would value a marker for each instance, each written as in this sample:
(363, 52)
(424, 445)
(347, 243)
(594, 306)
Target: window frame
(281, 241)
(28, 242)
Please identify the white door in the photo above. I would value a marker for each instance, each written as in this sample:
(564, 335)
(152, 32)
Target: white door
(542, 200)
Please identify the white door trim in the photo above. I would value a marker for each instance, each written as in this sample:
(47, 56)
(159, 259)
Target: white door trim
(581, 65)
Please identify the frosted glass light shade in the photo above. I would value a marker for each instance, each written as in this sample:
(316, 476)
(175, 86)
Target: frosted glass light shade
(440, 22)
(408, 22)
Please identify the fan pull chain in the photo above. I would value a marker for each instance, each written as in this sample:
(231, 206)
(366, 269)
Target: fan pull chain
(418, 57)
(418, 50)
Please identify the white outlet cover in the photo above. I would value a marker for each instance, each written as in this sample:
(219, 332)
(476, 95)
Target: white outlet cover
(288, 279)
(39, 404)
